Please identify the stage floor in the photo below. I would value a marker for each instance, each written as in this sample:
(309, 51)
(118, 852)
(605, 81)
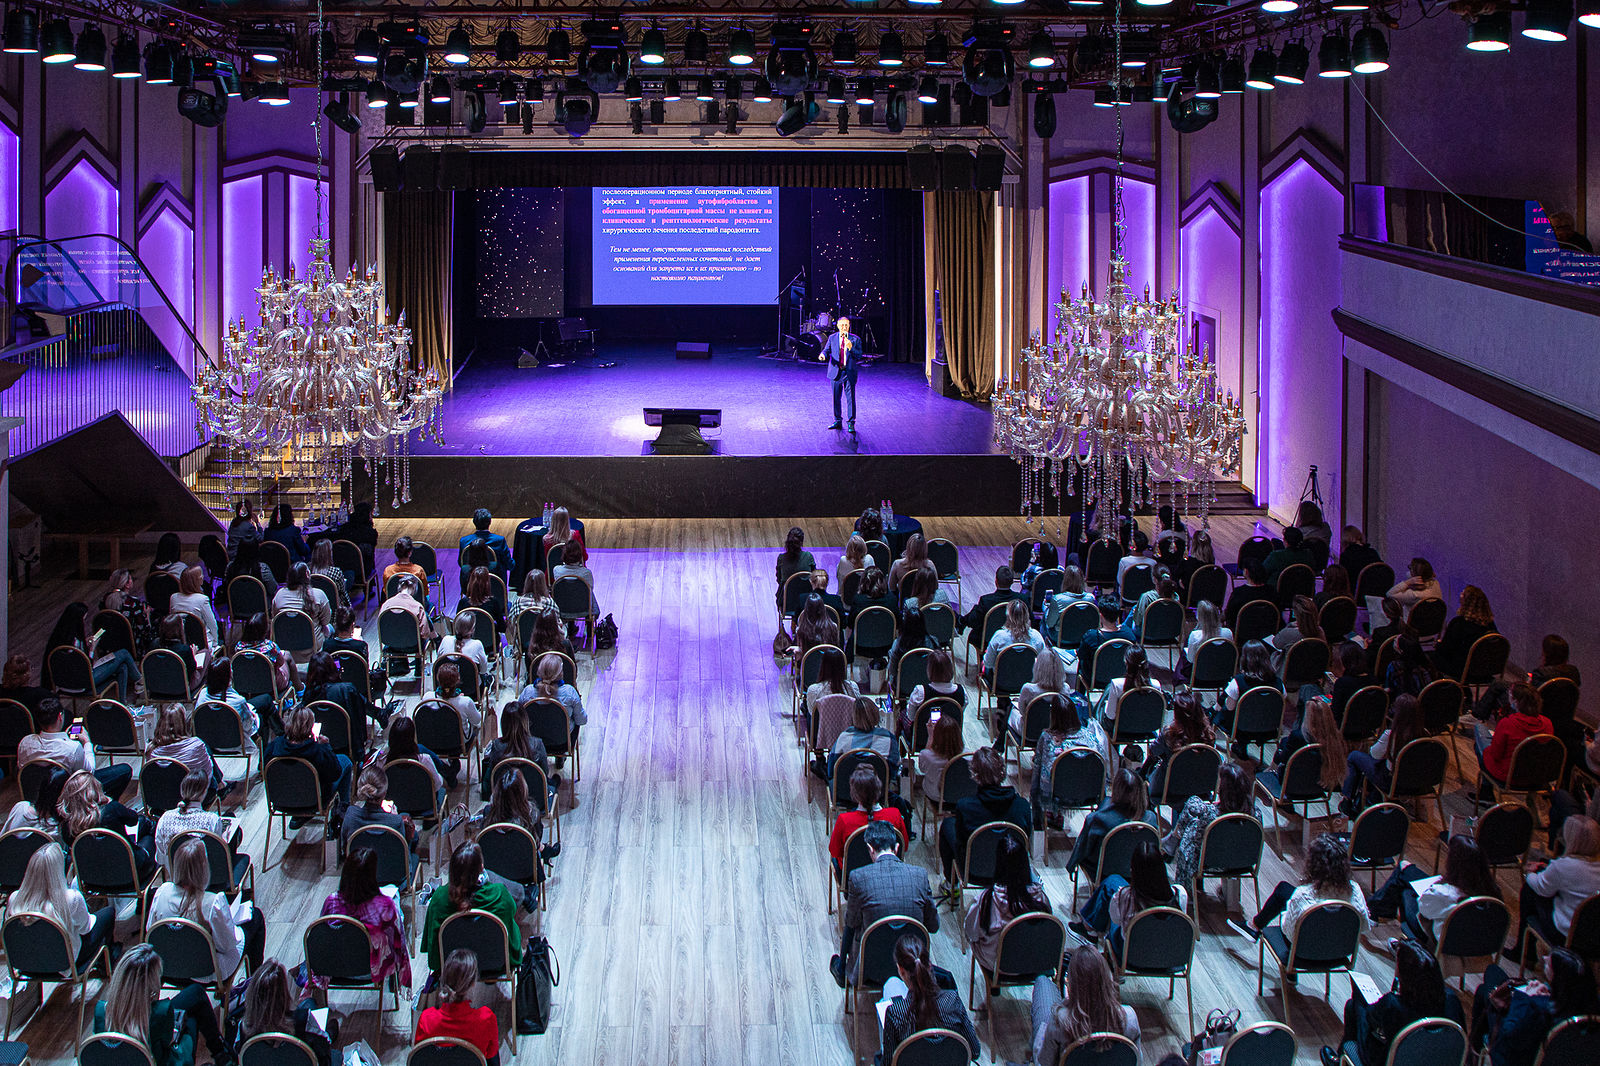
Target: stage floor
(769, 407)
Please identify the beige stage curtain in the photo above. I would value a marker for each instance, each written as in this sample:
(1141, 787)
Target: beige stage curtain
(963, 241)
(417, 244)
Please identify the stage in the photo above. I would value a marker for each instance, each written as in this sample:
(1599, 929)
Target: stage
(575, 433)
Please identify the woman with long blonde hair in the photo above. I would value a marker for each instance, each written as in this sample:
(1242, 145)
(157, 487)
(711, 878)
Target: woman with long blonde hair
(132, 1005)
(186, 896)
(44, 891)
(853, 559)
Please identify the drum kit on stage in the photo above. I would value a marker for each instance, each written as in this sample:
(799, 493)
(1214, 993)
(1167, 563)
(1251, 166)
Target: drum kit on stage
(815, 329)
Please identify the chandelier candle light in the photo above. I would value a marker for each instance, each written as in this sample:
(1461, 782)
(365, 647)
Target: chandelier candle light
(1114, 401)
(324, 380)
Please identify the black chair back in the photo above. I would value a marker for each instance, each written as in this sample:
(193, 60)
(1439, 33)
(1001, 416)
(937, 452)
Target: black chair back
(511, 852)
(1441, 703)
(1296, 580)
(1074, 622)
(1110, 663)
(1140, 713)
(276, 1049)
(1046, 583)
(983, 850)
(911, 671)
(292, 786)
(1427, 617)
(105, 863)
(219, 726)
(398, 632)
(394, 855)
(932, 1047)
(1231, 846)
(1030, 945)
(1474, 928)
(444, 1051)
(1211, 584)
(253, 674)
(573, 597)
(876, 963)
(1078, 779)
(159, 588)
(846, 766)
(16, 722)
(186, 951)
(225, 866)
(958, 782)
(246, 595)
(1536, 764)
(1338, 618)
(944, 557)
(110, 726)
(353, 668)
(166, 678)
(338, 948)
(1302, 775)
(1100, 565)
(1364, 714)
(1306, 662)
(71, 673)
(1163, 623)
(160, 782)
(16, 848)
(213, 555)
(1257, 548)
(1375, 579)
(1013, 668)
(1191, 771)
(874, 631)
(113, 1049)
(1504, 833)
(36, 947)
(1116, 850)
(1214, 663)
(1429, 1042)
(33, 776)
(1159, 941)
(117, 635)
(1259, 714)
(1258, 620)
(333, 722)
(294, 631)
(1574, 1039)
(411, 787)
(1486, 659)
(1419, 768)
(1558, 701)
(440, 728)
(1101, 1049)
(939, 619)
(1327, 938)
(481, 933)
(547, 720)
(1137, 580)
(1261, 1044)
(1378, 837)
(276, 556)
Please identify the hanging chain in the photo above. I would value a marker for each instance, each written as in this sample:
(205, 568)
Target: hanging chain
(316, 118)
(1120, 221)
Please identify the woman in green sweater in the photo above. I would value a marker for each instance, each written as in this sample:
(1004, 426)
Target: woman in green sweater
(468, 889)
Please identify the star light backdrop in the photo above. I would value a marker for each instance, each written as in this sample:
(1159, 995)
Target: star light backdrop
(521, 252)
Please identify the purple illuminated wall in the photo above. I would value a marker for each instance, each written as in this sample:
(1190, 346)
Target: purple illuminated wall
(302, 222)
(82, 201)
(243, 254)
(1208, 279)
(1301, 352)
(1139, 214)
(167, 249)
(1067, 255)
(8, 179)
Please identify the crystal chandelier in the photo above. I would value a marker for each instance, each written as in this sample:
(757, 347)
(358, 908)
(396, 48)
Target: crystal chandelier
(1115, 401)
(323, 381)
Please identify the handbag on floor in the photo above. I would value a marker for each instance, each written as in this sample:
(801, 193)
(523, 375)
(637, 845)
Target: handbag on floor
(605, 634)
(1220, 1027)
(539, 973)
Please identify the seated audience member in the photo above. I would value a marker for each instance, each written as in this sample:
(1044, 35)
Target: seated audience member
(372, 806)
(866, 792)
(1041, 557)
(1165, 588)
(548, 635)
(1254, 670)
(1255, 587)
(168, 1028)
(1013, 893)
(322, 564)
(944, 747)
(911, 560)
(83, 806)
(535, 597)
(1072, 725)
(192, 598)
(482, 534)
(1419, 992)
(549, 685)
(1524, 718)
(1189, 725)
(1129, 802)
(1135, 549)
(273, 1005)
(1017, 630)
(190, 815)
(1135, 674)
(1327, 879)
(244, 524)
(870, 525)
(885, 888)
(408, 598)
(466, 890)
(1117, 899)
(247, 562)
(298, 741)
(1553, 890)
(14, 684)
(1312, 526)
(171, 636)
(359, 896)
(298, 594)
(1293, 553)
(1049, 678)
(1419, 584)
(1090, 1006)
(1109, 628)
(1072, 591)
(481, 592)
(400, 743)
(995, 801)
(814, 626)
(325, 683)
(1302, 626)
(283, 529)
(1553, 663)
(1335, 584)
(174, 739)
(39, 815)
(873, 591)
(1235, 795)
(1348, 666)
(455, 1016)
(514, 742)
(71, 631)
(1394, 625)
(819, 586)
(832, 680)
(1409, 673)
(1473, 619)
(793, 560)
(185, 896)
(1004, 578)
(924, 1005)
(359, 530)
(922, 588)
(344, 635)
(169, 556)
(562, 532)
(1200, 554)
(1207, 626)
(1355, 554)
(447, 689)
(219, 689)
(256, 636)
(1375, 767)
(44, 891)
(403, 564)
(853, 560)
(510, 804)
(1466, 874)
(52, 741)
(1510, 1019)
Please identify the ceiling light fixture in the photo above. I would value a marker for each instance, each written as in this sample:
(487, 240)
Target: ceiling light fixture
(928, 91)
(1547, 20)
(507, 47)
(558, 46)
(458, 47)
(276, 94)
(1333, 58)
(125, 57)
(672, 90)
(1208, 80)
(936, 50)
(56, 42)
(632, 89)
(865, 92)
(1490, 32)
(1293, 62)
(695, 46)
(835, 93)
(377, 95)
(1233, 76)
(1589, 13)
(22, 31)
(1263, 66)
(653, 47)
(844, 47)
(763, 91)
(1370, 51)
(891, 49)
(440, 92)
(91, 50)
(367, 46)
(1041, 50)
(704, 90)
(741, 48)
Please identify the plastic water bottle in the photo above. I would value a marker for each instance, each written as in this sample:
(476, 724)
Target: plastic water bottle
(548, 512)
(891, 515)
(883, 513)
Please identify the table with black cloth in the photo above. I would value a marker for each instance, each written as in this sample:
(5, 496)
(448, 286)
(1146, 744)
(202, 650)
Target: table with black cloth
(527, 550)
(896, 538)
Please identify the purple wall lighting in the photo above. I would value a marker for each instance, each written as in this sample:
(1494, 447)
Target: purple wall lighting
(303, 221)
(1301, 351)
(82, 201)
(1208, 279)
(1139, 211)
(1067, 246)
(243, 247)
(8, 179)
(167, 249)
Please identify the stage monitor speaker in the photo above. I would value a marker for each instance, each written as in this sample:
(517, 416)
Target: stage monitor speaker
(419, 169)
(991, 168)
(680, 430)
(956, 168)
(385, 163)
(694, 350)
(939, 379)
(455, 167)
(922, 167)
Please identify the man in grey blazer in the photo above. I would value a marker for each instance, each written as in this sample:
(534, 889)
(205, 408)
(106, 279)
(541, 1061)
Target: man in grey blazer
(885, 888)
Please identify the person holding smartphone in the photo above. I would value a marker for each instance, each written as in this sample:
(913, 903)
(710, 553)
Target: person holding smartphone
(1510, 1019)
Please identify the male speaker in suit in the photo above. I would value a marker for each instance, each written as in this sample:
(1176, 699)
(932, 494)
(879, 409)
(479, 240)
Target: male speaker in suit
(843, 355)
(884, 888)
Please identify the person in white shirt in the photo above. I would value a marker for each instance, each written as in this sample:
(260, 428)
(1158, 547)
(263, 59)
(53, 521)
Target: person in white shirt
(185, 896)
(1419, 585)
(460, 641)
(40, 815)
(1551, 893)
(53, 742)
(298, 594)
(1327, 880)
(192, 599)
(1421, 901)
(219, 688)
(1207, 626)
(572, 565)
(1135, 674)
(44, 891)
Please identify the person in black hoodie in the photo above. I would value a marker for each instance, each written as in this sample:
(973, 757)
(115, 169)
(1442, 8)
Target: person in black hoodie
(995, 802)
(333, 769)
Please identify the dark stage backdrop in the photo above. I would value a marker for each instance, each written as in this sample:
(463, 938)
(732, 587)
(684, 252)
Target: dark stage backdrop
(520, 261)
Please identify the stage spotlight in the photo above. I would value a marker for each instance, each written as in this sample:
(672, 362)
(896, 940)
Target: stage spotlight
(835, 90)
(125, 57)
(440, 92)
(507, 47)
(158, 63)
(1208, 80)
(1293, 62)
(704, 90)
(56, 42)
(741, 48)
(377, 95)
(695, 46)
(407, 101)
(1041, 50)
(1370, 51)
(936, 50)
(865, 92)
(276, 94)
(338, 112)
(844, 47)
(763, 93)
(1547, 20)
(653, 47)
(672, 91)
(1490, 32)
(894, 112)
(183, 71)
(632, 89)
(1102, 96)
(891, 49)
(558, 46)
(22, 32)
(733, 89)
(658, 112)
(1333, 58)
(796, 116)
(367, 46)
(533, 91)
(1233, 76)
(990, 74)
(1160, 87)
(458, 47)
(1349, 5)
(90, 53)
(1044, 115)
(1263, 65)
(509, 88)
(1589, 13)
(928, 90)
(1280, 7)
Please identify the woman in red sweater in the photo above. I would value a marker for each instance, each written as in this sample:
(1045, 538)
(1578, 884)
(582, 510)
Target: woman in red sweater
(866, 790)
(455, 1016)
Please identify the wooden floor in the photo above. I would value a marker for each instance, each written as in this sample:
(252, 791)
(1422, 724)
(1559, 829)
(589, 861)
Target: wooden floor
(688, 907)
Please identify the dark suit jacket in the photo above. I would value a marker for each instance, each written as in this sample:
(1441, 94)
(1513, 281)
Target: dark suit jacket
(974, 617)
(851, 361)
(887, 888)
